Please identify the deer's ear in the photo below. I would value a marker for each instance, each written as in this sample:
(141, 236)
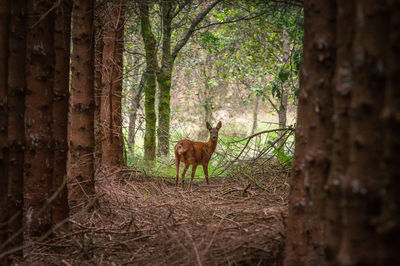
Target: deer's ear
(208, 126)
(219, 125)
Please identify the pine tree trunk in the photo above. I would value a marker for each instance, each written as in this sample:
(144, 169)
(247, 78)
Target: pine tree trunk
(98, 64)
(39, 155)
(362, 196)
(341, 119)
(81, 134)
(4, 27)
(62, 39)
(305, 235)
(16, 107)
(150, 84)
(110, 114)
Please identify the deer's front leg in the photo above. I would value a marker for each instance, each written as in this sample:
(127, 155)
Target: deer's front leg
(177, 171)
(205, 169)
(183, 174)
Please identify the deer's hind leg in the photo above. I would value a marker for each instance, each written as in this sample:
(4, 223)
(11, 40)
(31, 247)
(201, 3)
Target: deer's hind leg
(177, 162)
(192, 176)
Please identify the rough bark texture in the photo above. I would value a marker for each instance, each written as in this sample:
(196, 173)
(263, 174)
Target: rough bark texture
(110, 114)
(39, 155)
(81, 134)
(4, 25)
(62, 39)
(364, 177)
(389, 227)
(341, 119)
(150, 82)
(16, 103)
(305, 235)
(98, 63)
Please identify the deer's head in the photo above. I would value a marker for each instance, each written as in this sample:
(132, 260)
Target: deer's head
(214, 131)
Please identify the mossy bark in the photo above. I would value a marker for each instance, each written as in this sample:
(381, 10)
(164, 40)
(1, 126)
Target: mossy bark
(150, 82)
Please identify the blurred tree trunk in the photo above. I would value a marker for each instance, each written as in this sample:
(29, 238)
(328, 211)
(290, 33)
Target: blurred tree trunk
(389, 228)
(135, 105)
(62, 39)
(364, 180)
(4, 28)
(39, 154)
(112, 66)
(255, 114)
(81, 135)
(150, 81)
(16, 110)
(305, 235)
(206, 95)
(341, 118)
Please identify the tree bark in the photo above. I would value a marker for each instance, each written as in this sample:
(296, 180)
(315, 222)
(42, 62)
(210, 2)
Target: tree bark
(98, 64)
(81, 134)
(4, 27)
(364, 177)
(150, 84)
(62, 39)
(164, 78)
(255, 115)
(305, 235)
(389, 224)
(341, 103)
(110, 114)
(16, 110)
(39, 155)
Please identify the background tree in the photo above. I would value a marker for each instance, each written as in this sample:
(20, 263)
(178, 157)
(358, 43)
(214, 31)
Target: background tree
(81, 124)
(110, 114)
(150, 80)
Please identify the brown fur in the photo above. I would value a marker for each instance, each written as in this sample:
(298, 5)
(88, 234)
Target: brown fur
(195, 153)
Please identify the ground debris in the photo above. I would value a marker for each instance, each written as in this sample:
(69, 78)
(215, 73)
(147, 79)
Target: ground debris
(148, 221)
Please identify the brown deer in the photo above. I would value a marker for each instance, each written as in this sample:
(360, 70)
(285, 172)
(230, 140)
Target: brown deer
(195, 153)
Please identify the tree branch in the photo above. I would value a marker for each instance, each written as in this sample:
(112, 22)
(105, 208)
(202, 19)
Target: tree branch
(192, 28)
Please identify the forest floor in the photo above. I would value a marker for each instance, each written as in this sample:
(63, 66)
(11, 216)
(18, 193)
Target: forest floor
(149, 221)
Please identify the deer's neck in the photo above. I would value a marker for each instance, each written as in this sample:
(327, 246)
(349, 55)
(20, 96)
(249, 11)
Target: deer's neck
(212, 144)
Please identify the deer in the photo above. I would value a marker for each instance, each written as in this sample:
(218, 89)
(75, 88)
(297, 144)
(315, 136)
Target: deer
(195, 153)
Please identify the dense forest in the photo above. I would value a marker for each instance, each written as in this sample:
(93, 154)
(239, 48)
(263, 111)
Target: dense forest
(289, 106)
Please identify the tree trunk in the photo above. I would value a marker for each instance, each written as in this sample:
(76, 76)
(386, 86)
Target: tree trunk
(341, 119)
(164, 79)
(98, 64)
(81, 134)
(16, 107)
(150, 84)
(282, 111)
(255, 115)
(362, 194)
(305, 235)
(39, 155)
(389, 227)
(4, 27)
(135, 104)
(62, 39)
(110, 114)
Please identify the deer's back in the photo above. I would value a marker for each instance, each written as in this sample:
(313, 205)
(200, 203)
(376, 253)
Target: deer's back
(192, 152)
